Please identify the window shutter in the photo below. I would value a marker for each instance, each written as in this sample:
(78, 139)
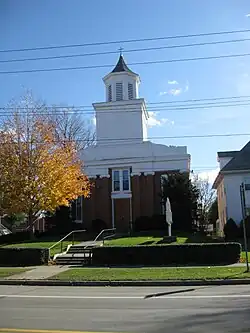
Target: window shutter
(110, 93)
(130, 91)
(119, 92)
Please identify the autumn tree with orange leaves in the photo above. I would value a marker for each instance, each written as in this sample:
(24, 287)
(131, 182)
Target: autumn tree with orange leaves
(38, 172)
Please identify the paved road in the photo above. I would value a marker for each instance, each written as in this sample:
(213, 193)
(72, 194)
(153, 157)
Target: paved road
(154, 310)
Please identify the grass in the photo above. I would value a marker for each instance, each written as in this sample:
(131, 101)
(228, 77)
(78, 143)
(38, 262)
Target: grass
(55, 250)
(133, 241)
(5, 272)
(243, 257)
(123, 274)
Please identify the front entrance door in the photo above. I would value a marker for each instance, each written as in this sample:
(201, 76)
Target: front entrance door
(122, 214)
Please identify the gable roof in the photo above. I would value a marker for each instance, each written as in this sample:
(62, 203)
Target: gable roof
(231, 153)
(240, 161)
(122, 67)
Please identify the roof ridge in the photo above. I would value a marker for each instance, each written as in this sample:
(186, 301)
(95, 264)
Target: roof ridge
(241, 160)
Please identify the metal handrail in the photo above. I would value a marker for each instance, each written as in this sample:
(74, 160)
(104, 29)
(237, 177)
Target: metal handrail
(61, 240)
(102, 232)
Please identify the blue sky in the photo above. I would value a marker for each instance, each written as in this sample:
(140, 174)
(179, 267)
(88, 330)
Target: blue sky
(32, 23)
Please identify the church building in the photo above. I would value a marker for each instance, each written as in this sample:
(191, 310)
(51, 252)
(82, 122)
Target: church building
(124, 167)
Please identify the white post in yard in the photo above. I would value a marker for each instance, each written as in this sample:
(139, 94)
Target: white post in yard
(169, 219)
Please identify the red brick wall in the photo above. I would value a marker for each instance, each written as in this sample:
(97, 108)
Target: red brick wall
(98, 205)
(146, 201)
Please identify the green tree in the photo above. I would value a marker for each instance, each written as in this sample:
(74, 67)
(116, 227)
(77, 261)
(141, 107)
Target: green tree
(213, 212)
(183, 196)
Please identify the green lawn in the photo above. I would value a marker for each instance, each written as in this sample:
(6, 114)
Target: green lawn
(5, 272)
(122, 274)
(243, 257)
(133, 241)
(54, 251)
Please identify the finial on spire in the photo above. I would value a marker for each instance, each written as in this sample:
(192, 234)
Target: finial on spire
(120, 50)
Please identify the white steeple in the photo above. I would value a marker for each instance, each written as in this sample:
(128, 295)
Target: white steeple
(121, 84)
(122, 118)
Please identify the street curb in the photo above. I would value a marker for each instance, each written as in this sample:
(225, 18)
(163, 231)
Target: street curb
(153, 283)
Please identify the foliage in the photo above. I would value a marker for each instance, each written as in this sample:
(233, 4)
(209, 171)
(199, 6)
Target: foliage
(181, 254)
(15, 237)
(183, 196)
(146, 223)
(14, 220)
(206, 197)
(38, 172)
(247, 224)
(70, 126)
(213, 212)
(231, 230)
(98, 225)
(23, 256)
(59, 221)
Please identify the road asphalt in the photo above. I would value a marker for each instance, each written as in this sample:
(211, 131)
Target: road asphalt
(217, 309)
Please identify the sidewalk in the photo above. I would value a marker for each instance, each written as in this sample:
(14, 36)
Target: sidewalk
(38, 273)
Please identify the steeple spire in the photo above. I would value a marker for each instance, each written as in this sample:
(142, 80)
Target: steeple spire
(121, 49)
(121, 66)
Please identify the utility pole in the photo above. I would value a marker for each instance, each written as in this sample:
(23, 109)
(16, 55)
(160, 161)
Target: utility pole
(244, 215)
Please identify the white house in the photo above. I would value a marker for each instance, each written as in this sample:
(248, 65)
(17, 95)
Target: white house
(124, 166)
(234, 170)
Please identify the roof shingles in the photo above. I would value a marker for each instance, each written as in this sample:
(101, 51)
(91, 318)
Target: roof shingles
(240, 161)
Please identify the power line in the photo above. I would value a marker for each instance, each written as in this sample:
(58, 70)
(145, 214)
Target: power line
(124, 51)
(130, 110)
(125, 41)
(202, 136)
(126, 104)
(131, 64)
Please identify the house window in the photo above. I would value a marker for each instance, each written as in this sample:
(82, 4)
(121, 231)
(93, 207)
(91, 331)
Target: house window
(110, 93)
(247, 183)
(119, 92)
(116, 180)
(125, 180)
(121, 180)
(130, 91)
(76, 210)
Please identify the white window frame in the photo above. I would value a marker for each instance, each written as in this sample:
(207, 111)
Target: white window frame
(121, 179)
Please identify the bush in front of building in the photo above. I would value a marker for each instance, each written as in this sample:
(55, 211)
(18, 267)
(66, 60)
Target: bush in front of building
(98, 225)
(173, 255)
(18, 237)
(20, 257)
(146, 223)
(231, 230)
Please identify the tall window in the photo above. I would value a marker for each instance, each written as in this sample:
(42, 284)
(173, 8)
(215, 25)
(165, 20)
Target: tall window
(121, 180)
(110, 93)
(116, 180)
(130, 91)
(119, 92)
(76, 210)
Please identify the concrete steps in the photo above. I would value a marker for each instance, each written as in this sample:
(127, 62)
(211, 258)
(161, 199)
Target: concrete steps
(74, 259)
(80, 254)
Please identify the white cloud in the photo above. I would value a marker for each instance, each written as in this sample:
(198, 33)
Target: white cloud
(94, 121)
(163, 93)
(175, 92)
(153, 121)
(186, 86)
(209, 175)
(172, 82)
(248, 15)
